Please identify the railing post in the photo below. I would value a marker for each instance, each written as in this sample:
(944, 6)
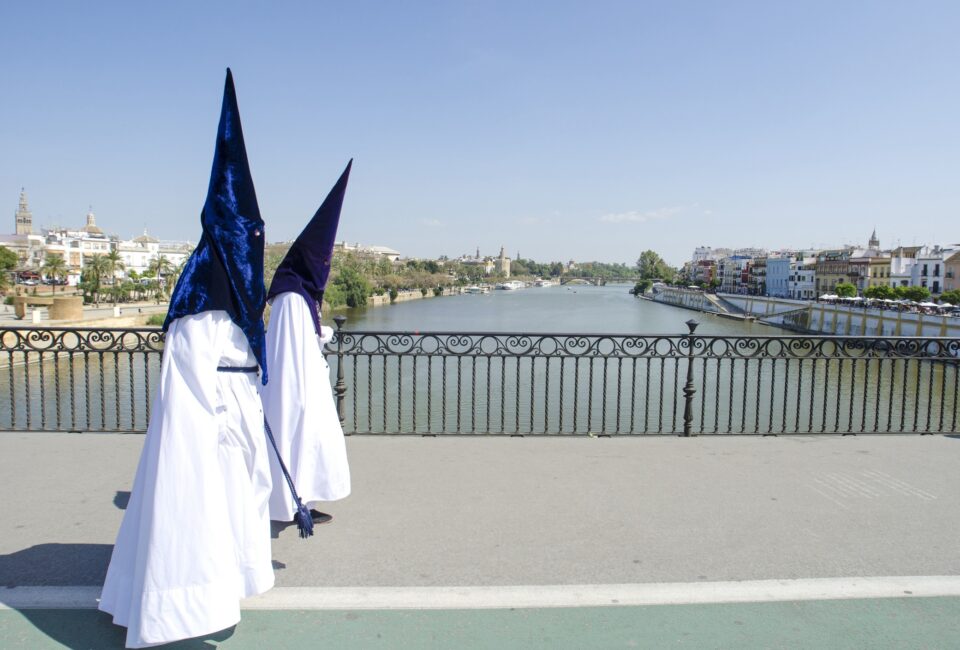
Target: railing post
(688, 389)
(341, 387)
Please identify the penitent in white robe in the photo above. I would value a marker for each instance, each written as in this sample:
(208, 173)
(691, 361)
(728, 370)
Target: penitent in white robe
(299, 406)
(195, 536)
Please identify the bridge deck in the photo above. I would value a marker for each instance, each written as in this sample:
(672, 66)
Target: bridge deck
(556, 521)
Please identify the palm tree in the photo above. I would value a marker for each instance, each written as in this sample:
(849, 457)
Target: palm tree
(158, 267)
(114, 263)
(96, 267)
(54, 267)
(175, 273)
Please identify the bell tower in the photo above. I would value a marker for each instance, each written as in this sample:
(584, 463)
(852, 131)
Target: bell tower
(24, 216)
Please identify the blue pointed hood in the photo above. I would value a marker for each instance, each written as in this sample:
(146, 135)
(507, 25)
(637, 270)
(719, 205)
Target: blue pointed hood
(306, 267)
(226, 269)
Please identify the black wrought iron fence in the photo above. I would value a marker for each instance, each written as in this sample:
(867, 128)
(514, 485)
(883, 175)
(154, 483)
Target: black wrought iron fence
(527, 384)
(78, 379)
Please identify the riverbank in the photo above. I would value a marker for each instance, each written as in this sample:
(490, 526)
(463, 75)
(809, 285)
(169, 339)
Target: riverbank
(738, 317)
(106, 315)
(812, 317)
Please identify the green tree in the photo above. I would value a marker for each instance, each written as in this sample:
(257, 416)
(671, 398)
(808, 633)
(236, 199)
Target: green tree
(383, 267)
(54, 267)
(916, 294)
(641, 287)
(176, 271)
(880, 292)
(353, 285)
(652, 267)
(8, 262)
(91, 280)
(8, 259)
(845, 290)
(952, 296)
(114, 263)
(157, 268)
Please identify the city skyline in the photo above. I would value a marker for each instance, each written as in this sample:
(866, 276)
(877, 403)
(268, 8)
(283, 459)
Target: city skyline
(478, 254)
(565, 133)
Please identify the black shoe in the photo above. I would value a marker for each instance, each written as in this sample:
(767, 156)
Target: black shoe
(320, 517)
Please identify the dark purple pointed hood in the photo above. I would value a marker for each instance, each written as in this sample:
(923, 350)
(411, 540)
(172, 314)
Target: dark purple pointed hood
(306, 267)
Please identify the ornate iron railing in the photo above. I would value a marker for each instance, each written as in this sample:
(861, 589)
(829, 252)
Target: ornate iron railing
(527, 384)
(78, 379)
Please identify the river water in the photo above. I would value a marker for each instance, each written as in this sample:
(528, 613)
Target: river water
(556, 310)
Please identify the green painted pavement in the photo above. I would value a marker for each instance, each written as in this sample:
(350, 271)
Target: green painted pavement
(874, 623)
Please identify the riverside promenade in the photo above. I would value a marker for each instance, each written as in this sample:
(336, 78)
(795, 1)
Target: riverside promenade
(478, 542)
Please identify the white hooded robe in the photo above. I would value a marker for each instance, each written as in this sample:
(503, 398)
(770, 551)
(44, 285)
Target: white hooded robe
(195, 537)
(298, 402)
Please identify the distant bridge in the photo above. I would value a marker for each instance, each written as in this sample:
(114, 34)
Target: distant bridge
(598, 282)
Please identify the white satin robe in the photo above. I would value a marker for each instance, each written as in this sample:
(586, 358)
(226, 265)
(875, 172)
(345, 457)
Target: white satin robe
(298, 403)
(195, 536)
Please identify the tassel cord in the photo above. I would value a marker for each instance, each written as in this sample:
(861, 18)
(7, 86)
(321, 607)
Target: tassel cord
(303, 518)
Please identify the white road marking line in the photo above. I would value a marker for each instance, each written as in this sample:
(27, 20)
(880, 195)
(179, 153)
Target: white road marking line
(858, 487)
(829, 498)
(534, 596)
(900, 484)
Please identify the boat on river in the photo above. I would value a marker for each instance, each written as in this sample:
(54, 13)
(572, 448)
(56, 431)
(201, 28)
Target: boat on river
(510, 285)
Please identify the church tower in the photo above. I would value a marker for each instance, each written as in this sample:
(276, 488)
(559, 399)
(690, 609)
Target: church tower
(92, 226)
(874, 243)
(24, 216)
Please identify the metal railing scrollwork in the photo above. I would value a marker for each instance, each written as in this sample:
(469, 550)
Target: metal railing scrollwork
(483, 383)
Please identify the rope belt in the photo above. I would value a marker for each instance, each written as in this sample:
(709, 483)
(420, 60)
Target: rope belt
(302, 516)
(245, 369)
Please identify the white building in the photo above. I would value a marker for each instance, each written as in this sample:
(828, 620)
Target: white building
(733, 272)
(76, 246)
(368, 251)
(706, 253)
(139, 253)
(29, 249)
(929, 268)
(801, 282)
(902, 260)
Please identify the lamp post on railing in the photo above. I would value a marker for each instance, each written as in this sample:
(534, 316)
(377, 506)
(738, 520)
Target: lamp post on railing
(341, 387)
(688, 389)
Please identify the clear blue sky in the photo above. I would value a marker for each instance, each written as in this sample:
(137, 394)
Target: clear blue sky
(562, 130)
